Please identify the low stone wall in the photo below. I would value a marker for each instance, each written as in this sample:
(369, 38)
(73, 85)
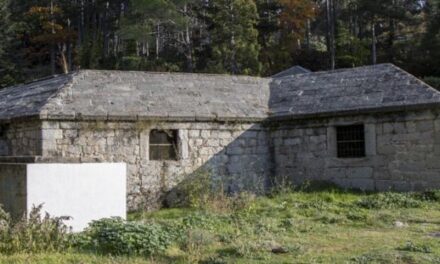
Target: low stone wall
(13, 189)
(20, 139)
(403, 152)
(236, 153)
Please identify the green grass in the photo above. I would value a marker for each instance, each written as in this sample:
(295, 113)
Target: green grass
(314, 227)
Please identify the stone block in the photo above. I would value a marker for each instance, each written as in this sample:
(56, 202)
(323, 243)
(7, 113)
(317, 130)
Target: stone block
(51, 134)
(225, 134)
(205, 133)
(70, 125)
(50, 125)
(425, 125)
(335, 173)
(359, 173)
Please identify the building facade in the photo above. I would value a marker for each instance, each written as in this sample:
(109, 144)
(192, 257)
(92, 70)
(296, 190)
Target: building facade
(372, 128)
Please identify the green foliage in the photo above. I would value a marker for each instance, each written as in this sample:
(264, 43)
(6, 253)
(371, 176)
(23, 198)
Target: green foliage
(118, 237)
(315, 225)
(351, 51)
(256, 37)
(8, 29)
(389, 200)
(413, 247)
(194, 191)
(433, 196)
(34, 234)
(433, 81)
(235, 46)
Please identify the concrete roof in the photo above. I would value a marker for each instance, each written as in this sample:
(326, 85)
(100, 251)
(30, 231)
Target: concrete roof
(375, 88)
(128, 95)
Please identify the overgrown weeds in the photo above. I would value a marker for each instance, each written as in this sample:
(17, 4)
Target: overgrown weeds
(33, 234)
(414, 247)
(313, 224)
(390, 200)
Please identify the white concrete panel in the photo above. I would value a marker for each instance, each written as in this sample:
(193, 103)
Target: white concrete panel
(85, 192)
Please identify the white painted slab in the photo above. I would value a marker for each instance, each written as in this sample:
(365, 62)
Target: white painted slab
(85, 192)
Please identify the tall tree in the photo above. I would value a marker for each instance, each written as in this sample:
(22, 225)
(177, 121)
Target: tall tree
(234, 42)
(7, 31)
(51, 34)
(431, 41)
(165, 24)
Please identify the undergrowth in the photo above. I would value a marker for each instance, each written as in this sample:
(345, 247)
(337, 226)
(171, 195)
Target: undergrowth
(311, 224)
(33, 234)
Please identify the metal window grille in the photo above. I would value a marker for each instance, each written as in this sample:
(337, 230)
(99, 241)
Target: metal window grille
(3, 129)
(163, 145)
(350, 141)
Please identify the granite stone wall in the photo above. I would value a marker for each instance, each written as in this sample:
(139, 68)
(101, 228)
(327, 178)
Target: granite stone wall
(13, 189)
(20, 139)
(236, 153)
(402, 152)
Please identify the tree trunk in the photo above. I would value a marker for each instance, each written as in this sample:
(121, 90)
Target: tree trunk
(308, 35)
(69, 56)
(391, 41)
(105, 32)
(333, 34)
(330, 35)
(373, 44)
(63, 60)
(188, 43)
(157, 41)
(81, 25)
(188, 53)
(392, 35)
(52, 59)
(52, 46)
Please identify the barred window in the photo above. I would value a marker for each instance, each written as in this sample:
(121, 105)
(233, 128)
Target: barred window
(3, 129)
(163, 145)
(350, 141)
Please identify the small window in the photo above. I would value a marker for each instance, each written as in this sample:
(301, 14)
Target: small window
(3, 129)
(351, 141)
(163, 145)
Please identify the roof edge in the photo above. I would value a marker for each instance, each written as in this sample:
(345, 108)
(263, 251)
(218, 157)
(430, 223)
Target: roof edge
(374, 110)
(114, 118)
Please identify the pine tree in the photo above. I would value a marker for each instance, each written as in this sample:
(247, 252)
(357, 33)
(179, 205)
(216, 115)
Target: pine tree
(431, 42)
(8, 75)
(235, 47)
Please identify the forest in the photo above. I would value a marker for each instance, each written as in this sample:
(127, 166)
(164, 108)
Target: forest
(39, 38)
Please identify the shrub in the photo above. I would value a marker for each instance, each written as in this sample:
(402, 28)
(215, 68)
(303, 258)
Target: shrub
(412, 247)
(119, 237)
(199, 220)
(194, 191)
(33, 234)
(194, 242)
(389, 200)
(430, 196)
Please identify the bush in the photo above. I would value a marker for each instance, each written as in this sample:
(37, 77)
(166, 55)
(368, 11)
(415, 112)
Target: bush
(430, 196)
(119, 237)
(194, 191)
(201, 191)
(34, 234)
(412, 247)
(389, 200)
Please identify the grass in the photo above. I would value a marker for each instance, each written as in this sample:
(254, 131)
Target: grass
(327, 226)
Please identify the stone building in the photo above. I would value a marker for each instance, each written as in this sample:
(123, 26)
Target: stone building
(374, 127)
